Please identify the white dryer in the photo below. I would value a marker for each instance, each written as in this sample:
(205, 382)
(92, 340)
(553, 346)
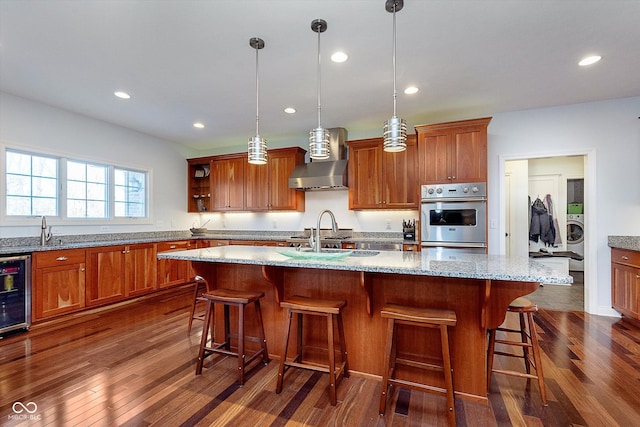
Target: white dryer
(575, 239)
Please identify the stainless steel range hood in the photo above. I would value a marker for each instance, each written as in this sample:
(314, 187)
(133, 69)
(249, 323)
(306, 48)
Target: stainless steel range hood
(329, 174)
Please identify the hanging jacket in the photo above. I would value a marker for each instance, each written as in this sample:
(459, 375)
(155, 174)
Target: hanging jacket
(541, 227)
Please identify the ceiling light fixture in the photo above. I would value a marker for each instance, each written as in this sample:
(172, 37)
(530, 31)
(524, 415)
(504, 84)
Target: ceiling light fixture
(339, 57)
(411, 90)
(198, 125)
(122, 95)
(290, 110)
(395, 129)
(319, 137)
(589, 60)
(257, 150)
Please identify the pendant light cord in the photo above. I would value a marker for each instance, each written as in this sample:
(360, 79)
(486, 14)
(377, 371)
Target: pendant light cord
(395, 93)
(257, 96)
(319, 82)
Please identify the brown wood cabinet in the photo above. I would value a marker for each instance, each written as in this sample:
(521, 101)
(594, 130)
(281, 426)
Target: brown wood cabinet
(266, 187)
(227, 182)
(453, 151)
(382, 180)
(199, 182)
(625, 282)
(174, 272)
(58, 282)
(141, 268)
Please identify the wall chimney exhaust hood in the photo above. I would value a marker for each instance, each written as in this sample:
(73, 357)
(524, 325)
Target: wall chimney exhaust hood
(327, 174)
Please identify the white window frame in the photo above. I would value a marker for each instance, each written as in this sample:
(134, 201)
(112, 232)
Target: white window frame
(61, 218)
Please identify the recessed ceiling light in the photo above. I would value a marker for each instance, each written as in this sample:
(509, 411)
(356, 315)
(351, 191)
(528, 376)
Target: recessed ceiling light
(411, 90)
(122, 95)
(290, 110)
(198, 125)
(589, 60)
(339, 57)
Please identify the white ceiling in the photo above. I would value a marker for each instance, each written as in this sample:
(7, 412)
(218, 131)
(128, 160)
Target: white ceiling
(190, 60)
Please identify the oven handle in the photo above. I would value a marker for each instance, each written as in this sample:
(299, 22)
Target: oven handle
(453, 245)
(453, 199)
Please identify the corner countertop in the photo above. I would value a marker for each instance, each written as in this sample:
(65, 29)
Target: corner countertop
(625, 242)
(468, 266)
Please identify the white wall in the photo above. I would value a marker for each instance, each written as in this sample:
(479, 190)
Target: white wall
(33, 126)
(608, 132)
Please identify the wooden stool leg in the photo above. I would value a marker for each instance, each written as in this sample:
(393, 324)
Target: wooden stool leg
(227, 328)
(284, 353)
(448, 375)
(203, 340)
(525, 340)
(332, 361)
(343, 346)
(537, 359)
(386, 373)
(491, 349)
(193, 306)
(241, 344)
(262, 336)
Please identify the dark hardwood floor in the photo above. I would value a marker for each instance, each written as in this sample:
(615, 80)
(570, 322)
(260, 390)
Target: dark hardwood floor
(135, 366)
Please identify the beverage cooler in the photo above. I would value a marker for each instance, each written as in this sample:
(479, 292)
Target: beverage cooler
(15, 293)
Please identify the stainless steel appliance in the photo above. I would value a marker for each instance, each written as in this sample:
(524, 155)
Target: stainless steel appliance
(454, 216)
(15, 293)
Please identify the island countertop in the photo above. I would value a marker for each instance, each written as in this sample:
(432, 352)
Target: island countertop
(468, 266)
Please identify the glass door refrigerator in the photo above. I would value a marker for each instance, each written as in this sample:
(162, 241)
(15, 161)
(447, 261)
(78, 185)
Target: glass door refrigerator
(15, 293)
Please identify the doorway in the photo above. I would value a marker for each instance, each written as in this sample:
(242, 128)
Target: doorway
(559, 181)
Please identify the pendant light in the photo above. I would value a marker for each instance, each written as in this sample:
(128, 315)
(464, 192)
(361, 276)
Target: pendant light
(319, 137)
(257, 151)
(395, 129)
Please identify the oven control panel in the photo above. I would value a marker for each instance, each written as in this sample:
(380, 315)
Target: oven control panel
(473, 190)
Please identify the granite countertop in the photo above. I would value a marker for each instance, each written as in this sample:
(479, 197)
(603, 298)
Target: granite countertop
(625, 242)
(470, 266)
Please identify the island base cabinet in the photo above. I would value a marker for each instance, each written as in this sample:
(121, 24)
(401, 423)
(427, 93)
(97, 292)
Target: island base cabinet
(58, 283)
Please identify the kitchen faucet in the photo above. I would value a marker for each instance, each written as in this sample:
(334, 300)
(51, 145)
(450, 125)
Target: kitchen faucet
(315, 242)
(44, 235)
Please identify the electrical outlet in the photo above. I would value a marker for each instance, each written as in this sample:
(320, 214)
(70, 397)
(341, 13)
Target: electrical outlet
(104, 228)
(388, 224)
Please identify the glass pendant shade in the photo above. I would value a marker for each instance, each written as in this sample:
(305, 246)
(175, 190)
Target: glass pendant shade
(395, 129)
(257, 148)
(319, 147)
(319, 144)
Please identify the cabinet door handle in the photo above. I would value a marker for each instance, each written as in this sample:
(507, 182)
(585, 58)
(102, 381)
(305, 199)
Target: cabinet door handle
(172, 247)
(637, 276)
(624, 257)
(62, 258)
(82, 269)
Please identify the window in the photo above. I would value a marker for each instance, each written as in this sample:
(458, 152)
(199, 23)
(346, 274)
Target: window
(130, 193)
(71, 189)
(32, 184)
(87, 190)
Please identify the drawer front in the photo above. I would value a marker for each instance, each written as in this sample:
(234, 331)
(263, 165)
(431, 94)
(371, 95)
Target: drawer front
(175, 246)
(624, 256)
(57, 258)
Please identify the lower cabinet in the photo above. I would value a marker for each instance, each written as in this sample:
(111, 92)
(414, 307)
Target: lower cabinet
(141, 268)
(173, 272)
(58, 283)
(625, 282)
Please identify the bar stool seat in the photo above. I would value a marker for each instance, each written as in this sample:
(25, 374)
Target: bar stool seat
(198, 283)
(419, 317)
(331, 310)
(239, 299)
(528, 342)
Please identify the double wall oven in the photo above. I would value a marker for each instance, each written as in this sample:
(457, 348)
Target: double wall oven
(454, 218)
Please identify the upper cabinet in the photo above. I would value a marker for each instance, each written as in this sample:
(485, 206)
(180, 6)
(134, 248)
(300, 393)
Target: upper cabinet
(227, 182)
(199, 184)
(382, 180)
(266, 187)
(453, 151)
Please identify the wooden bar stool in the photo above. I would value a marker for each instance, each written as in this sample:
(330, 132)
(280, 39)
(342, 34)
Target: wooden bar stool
(528, 342)
(423, 318)
(198, 283)
(331, 310)
(239, 299)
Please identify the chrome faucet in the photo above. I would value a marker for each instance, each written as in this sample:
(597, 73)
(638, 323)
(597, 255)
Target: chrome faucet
(315, 242)
(44, 235)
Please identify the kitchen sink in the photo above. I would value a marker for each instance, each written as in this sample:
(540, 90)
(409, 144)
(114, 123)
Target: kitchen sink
(326, 253)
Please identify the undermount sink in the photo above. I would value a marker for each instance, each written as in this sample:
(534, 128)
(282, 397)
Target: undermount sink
(326, 253)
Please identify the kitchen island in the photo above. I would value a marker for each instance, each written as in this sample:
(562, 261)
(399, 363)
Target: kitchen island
(478, 287)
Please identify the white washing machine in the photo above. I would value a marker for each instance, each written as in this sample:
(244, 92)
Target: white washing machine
(575, 239)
